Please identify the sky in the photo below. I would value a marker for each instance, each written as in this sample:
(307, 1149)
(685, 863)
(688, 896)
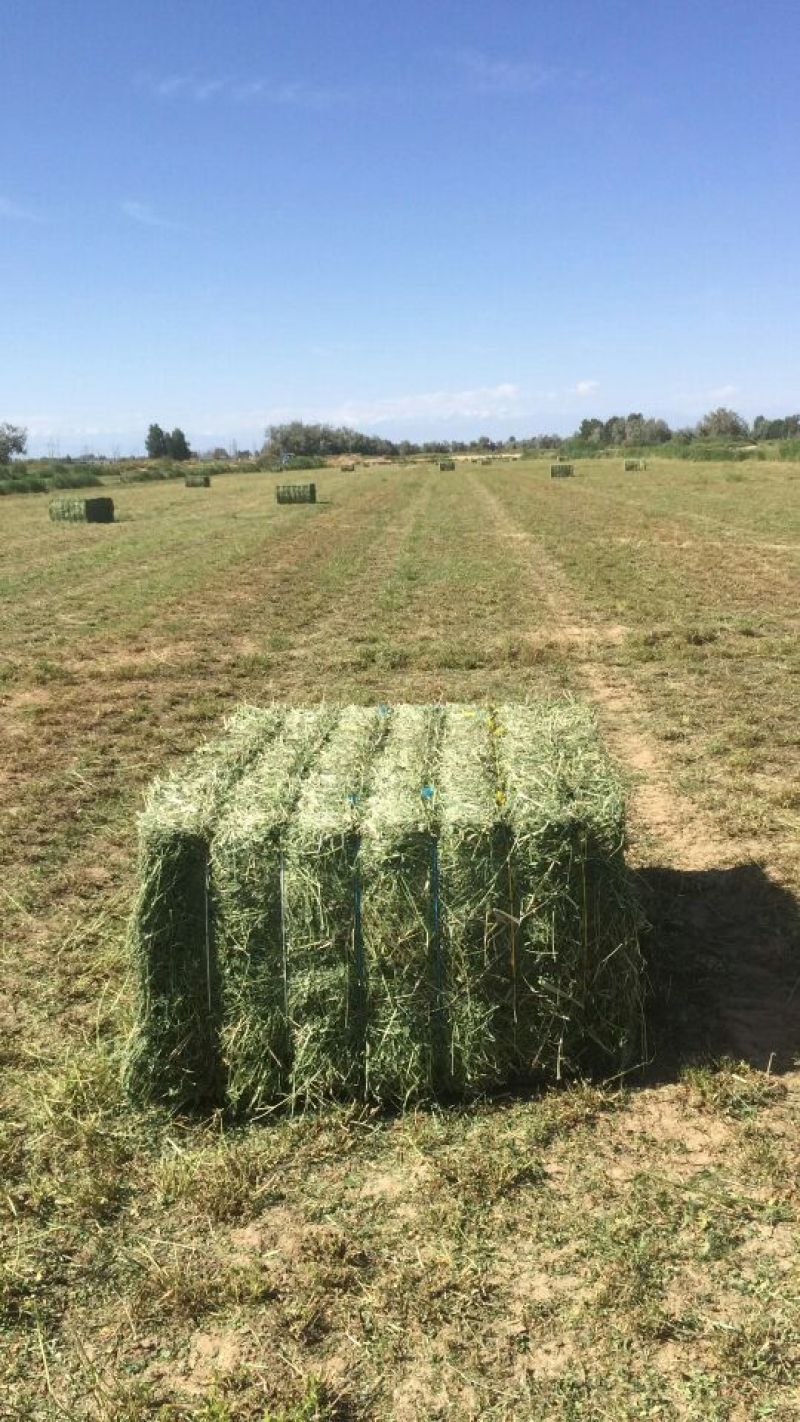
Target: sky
(429, 220)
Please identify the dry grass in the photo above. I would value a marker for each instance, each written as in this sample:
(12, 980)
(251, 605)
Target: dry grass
(595, 1253)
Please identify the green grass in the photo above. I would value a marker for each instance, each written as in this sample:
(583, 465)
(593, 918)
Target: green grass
(627, 1250)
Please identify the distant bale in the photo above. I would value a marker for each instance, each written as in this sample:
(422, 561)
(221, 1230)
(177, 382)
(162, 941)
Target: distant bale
(82, 510)
(486, 461)
(296, 493)
(198, 481)
(562, 471)
(385, 904)
(632, 465)
(447, 464)
(348, 468)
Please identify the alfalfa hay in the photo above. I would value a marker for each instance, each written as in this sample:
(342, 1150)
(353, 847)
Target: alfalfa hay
(96, 510)
(388, 904)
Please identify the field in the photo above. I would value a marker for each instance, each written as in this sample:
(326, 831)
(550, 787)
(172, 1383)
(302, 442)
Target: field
(616, 1250)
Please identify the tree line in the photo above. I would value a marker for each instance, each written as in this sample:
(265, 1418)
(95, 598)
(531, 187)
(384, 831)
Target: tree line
(297, 438)
(634, 430)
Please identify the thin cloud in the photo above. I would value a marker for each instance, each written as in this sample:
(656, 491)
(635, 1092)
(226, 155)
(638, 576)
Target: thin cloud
(15, 212)
(199, 89)
(487, 75)
(142, 213)
(587, 387)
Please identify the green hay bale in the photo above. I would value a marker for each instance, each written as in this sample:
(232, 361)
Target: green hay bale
(405, 1050)
(175, 1052)
(562, 471)
(445, 464)
(578, 993)
(248, 872)
(197, 481)
(325, 973)
(473, 855)
(392, 905)
(99, 510)
(296, 493)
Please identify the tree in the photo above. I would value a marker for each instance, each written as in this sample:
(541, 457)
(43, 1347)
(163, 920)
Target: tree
(13, 439)
(591, 431)
(156, 443)
(177, 447)
(723, 424)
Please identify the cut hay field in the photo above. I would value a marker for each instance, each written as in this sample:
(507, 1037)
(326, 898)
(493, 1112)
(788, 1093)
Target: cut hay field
(622, 1250)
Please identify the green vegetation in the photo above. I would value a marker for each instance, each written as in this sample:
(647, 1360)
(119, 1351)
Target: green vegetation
(626, 1250)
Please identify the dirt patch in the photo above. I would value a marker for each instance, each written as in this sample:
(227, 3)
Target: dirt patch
(212, 1355)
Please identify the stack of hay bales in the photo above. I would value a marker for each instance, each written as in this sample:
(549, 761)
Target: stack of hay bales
(82, 510)
(562, 471)
(197, 481)
(445, 464)
(385, 904)
(296, 493)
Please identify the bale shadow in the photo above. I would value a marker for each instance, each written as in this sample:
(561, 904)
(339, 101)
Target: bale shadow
(723, 957)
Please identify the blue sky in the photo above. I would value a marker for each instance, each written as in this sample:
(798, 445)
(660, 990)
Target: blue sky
(425, 217)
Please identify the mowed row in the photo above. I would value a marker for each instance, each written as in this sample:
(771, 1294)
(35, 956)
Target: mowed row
(668, 598)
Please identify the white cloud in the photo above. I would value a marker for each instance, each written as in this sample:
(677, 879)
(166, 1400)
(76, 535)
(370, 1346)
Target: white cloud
(502, 76)
(587, 387)
(15, 212)
(142, 213)
(482, 403)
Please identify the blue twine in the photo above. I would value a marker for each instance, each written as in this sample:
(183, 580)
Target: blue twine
(359, 998)
(438, 1044)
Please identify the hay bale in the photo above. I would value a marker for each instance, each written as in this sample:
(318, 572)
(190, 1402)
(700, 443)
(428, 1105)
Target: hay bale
(325, 993)
(296, 493)
(248, 871)
(347, 468)
(99, 510)
(562, 471)
(447, 464)
(385, 904)
(175, 1053)
(400, 927)
(473, 850)
(632, 465)
(197, 481)
(578, 970)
